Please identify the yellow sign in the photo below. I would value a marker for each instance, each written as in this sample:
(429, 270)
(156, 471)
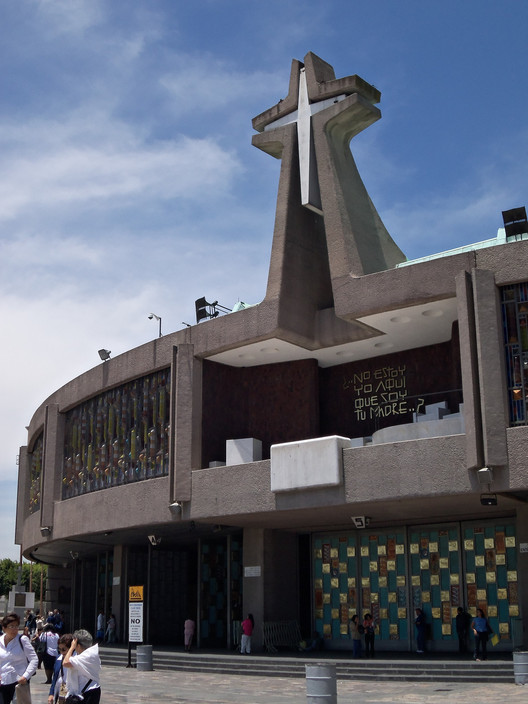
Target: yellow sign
(135, 593)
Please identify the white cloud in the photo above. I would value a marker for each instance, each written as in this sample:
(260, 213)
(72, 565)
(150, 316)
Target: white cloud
(69, 16)
(204, 83)
(54, 169)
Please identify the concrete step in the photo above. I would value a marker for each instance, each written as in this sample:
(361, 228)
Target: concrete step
(385, 667)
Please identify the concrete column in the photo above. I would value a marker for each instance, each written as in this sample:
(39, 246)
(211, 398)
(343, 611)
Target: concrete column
(119, 586)
(271, 595)
(491, 365)
(253, 584)
(182, 423)
(52, 463)
(522, 566)
(469, 367)
(22, 493)
(58, 590)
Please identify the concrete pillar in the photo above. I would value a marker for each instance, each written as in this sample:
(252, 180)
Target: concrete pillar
(185, 421)
(270, 589)
(522, 567)
(253, 581)
(490, 349)
(119, 597)
(470, 375)
(24, 485)
(58, 591)
(52, 463)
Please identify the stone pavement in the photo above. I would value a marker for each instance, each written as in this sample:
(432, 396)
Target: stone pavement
(121, 685)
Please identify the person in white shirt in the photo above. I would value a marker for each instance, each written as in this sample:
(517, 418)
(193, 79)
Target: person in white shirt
(100, 631)
(51, 638)
(83, 672)
(18, 659)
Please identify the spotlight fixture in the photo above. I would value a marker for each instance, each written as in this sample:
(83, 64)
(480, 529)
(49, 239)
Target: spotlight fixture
(175, 508)
(485, 475)
(515, 222)
(45, 531)
(153, 315)
(206, 311)
(104, 354)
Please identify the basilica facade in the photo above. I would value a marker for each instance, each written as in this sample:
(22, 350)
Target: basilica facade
(355, 443)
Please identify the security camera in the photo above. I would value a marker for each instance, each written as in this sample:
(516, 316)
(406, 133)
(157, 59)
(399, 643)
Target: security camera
(488, 499)
(153, 540)
(150, 316)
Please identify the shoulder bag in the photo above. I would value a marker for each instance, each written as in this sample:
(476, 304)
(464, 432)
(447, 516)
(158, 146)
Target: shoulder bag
(75, 698)
(23, 693)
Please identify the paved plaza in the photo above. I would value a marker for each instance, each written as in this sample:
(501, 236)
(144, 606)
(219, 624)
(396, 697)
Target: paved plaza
(121, 685)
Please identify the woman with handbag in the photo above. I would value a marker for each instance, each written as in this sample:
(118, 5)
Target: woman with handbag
(83, 671)
(18, 662)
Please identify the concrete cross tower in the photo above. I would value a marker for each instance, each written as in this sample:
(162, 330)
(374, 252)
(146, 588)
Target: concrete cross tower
(326, 227)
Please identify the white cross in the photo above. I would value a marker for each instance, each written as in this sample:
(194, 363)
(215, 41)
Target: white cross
(310, 194)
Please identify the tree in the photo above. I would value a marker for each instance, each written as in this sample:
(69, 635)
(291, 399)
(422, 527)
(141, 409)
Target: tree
(30, 572)
(8, 575)
(34, 570)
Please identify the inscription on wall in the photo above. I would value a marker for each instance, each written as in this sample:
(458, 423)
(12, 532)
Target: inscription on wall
(381, 393)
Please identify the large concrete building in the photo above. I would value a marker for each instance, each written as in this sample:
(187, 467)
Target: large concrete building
(356, 442)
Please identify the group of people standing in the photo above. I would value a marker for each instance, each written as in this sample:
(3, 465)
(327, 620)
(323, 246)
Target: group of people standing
(358, 630)
(71, 662)
(479, 626)
(106, 628)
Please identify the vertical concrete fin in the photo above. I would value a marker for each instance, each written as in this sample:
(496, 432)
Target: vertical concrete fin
(491, 366)
(470, 374)
(23, 489)
(52, 463)
(181, 415)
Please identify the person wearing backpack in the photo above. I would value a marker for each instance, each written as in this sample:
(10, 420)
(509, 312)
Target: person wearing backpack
(356, 632)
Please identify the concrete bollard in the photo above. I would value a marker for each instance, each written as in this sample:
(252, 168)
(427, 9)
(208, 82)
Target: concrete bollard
(144, 658)
(321, 684)
(520, 667)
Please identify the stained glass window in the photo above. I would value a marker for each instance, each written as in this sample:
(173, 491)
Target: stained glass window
(35, 475)
(515, 326)
(118, 437)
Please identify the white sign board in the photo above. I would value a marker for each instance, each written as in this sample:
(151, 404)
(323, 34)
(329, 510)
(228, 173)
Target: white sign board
(135, 622)
(252, 571)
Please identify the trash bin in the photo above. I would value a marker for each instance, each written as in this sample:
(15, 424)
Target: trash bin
(321, 684)
(144, 657)
(520, 666)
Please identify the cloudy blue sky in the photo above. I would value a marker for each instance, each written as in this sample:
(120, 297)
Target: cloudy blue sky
(128, 183)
